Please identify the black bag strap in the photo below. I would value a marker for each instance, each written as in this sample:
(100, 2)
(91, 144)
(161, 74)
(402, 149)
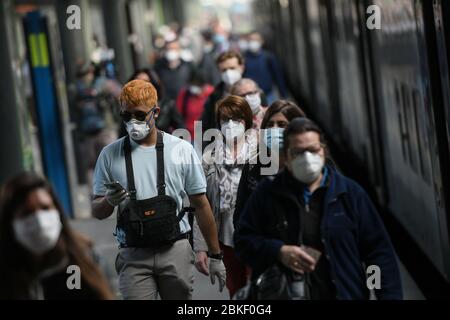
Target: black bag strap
(161, 185)
(161, 180)
(129, 168)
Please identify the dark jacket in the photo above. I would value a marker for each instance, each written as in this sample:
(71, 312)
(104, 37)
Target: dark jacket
(264, 68)
(351, 230)
(209, 112)
(174, 79)
(250, 178)
(169, 118)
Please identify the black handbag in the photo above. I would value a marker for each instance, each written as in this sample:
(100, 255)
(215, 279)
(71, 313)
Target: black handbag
(278, 282)
(151, 222)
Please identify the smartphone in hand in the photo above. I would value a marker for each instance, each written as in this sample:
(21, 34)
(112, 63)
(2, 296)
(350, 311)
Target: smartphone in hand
(315, 254)
(116, 186)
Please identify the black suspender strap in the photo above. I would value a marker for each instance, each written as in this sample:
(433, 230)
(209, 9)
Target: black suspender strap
(129, 168)
(161, 180)
(161, 185)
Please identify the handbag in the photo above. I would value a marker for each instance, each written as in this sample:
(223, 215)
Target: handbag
(278, 282)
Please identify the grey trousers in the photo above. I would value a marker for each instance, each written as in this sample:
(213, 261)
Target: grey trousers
(169, 271)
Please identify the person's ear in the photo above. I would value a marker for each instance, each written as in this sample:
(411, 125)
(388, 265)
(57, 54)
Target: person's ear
(156, 112)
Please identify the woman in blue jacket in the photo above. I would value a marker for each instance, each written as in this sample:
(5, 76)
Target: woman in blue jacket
(342, 234)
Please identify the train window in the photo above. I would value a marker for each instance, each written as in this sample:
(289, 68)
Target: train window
(412, 134)
(401, 126)
(420, 151)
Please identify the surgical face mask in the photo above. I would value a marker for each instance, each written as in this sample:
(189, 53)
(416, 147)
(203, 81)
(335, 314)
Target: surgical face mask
(172, 55)
(195, 90)
(208, 48)
(39, 232)
(273, 138)
(254, 100)
(231, 76)
(233, 130)
(243, 45)
(139, 130)
(254, 46)
(307, 167)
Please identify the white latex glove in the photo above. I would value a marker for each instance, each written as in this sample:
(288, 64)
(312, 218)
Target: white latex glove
(217, 268)
(116, 197)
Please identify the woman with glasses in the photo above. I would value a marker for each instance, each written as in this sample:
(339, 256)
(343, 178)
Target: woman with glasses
(317, 223)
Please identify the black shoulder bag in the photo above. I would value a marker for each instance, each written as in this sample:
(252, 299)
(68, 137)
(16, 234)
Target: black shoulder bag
(151, 222)
(278, 282)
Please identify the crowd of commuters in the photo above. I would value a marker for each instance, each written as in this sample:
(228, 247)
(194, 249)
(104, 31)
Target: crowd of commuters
(178, 209)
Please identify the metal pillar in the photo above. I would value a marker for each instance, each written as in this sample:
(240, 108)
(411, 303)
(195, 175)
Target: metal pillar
(11, 159)
(117, 36)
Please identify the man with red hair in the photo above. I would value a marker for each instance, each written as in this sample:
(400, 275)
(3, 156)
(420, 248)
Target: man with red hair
(146, 175)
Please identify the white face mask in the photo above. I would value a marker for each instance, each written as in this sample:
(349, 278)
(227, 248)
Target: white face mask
(307, 167)
(39, 232)
(254, 100)
(243, 45)
(233, 130)
(273, 138)
(195, 90)
(254, 46)
(172, 55)
(138, 130)
(231, 76)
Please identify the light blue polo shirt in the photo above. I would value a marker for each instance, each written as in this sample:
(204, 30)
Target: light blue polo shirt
(183, 172)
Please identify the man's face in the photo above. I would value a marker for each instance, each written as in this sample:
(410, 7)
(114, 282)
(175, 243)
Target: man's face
(300, 143)
(173, 46)
(247, 88)
(140, 113)
(231, 64)
(255, 37)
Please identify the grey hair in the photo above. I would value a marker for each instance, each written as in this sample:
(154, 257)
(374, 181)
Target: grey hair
(243, 81)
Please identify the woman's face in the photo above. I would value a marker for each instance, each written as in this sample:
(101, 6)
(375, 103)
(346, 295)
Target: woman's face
(278, 120)
(39, 199)
(37, 223)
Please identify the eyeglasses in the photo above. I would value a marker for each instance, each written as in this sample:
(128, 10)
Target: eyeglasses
(251, 93)
(300, 151)
(138, 115)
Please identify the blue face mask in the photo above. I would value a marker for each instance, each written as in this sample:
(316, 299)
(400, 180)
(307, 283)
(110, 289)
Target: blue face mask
(273, 138)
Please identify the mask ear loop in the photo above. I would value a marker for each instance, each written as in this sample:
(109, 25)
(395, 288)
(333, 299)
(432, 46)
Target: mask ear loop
(151, 118)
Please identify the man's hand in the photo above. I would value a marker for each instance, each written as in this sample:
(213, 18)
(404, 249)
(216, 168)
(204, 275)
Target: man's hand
(116, 197)
(201, 262)
(296, 259)
(217, 268)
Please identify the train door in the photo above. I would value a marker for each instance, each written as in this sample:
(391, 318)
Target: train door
(437, 31)
(299, 33)
(324, 105)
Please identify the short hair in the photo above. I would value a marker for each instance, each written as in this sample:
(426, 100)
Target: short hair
(230, 55)
(241, 82)
(289, 109)
(299, 126)
(154, 79)
(235, 107)
(137, 93)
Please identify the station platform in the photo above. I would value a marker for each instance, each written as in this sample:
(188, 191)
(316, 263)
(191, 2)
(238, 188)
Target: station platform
(101, 232)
